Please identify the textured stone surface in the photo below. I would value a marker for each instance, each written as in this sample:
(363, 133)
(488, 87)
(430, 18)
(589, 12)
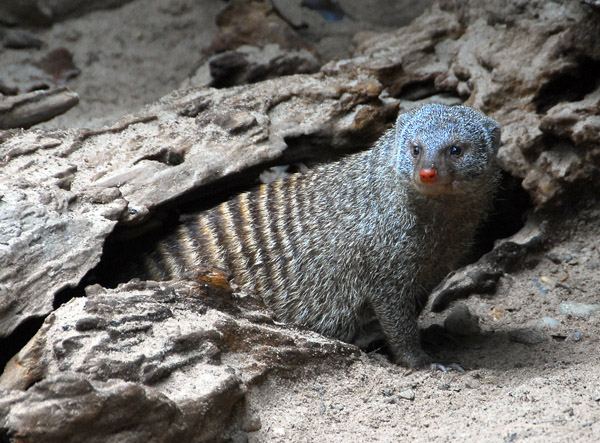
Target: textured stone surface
(533, 67)
(525, 65)
(149, 360)
(26, 110)
(253, 43)
(86, 181)
(250, 64)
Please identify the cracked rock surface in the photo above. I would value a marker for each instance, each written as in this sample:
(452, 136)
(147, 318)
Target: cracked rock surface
(195, 360)
(173, 359)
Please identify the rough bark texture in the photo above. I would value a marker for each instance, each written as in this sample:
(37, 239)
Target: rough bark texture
(147, 360)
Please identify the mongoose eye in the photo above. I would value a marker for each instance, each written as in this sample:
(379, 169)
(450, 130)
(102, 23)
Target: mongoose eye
(455, 150)
(416, 151)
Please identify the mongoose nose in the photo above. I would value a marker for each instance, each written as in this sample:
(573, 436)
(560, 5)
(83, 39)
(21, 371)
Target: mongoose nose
(428, 175)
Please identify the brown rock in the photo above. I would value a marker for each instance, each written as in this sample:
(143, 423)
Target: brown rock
(254, 43)
(253, 23)
(169, 359)
(249, 64)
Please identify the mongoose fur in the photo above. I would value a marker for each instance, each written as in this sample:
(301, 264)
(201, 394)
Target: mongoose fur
(373, 233)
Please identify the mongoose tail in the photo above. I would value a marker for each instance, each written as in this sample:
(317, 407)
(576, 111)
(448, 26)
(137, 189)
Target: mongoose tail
(371, 234)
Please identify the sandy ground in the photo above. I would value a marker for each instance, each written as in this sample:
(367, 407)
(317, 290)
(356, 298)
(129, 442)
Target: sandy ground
(546, 389)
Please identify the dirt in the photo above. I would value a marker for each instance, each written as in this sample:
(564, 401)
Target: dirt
(526, 377)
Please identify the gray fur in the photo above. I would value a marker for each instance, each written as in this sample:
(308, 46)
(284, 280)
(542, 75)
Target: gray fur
(362, 236)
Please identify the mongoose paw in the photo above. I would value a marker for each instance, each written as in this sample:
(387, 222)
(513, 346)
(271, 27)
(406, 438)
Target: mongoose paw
(417, 359)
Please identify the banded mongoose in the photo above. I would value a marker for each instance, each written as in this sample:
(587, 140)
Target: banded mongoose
(371, 234)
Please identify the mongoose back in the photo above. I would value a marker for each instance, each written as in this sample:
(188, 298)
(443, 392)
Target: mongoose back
(371, 234)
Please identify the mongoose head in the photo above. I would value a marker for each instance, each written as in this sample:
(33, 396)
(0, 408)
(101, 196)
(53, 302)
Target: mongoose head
(447, 150)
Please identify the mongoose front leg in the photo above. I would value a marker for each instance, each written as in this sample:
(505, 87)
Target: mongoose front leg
(399, 322)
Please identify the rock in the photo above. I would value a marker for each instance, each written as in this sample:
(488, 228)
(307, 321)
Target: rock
(538, 46)
(45, 245)
(547, 322)
(254, 43)
(482, 276)
(26, 110)
(16, 39)
(579, 310)
(46, 12)
(249, 64)
(58, 64)
(335, 39)
(407, 394)
(70, 406)
(251, 424)
(472, 382)
(461, 322)
(147, 359)
(254, 23)
(527, 336)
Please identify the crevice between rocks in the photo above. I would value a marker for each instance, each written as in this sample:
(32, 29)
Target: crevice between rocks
(506, 218)
(12, 344)
(569, 86)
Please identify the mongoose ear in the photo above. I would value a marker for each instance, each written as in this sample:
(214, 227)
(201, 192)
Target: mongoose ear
(493, 130)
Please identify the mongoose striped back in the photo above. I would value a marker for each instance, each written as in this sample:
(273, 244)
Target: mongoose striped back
(255, 235)
(268, 238)
(369, 235)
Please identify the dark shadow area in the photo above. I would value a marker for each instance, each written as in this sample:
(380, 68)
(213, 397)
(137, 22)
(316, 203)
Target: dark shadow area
(420, 90)
(6, 436)
(61, 297)
(12, 344)
(570, 86)
(490, 349)
(506, 218)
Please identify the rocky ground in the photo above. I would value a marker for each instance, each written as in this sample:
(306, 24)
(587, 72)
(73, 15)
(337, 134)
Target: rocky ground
(529, 349)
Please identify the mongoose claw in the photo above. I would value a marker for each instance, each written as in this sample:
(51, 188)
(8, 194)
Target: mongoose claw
(457, 367)
(433, 367)
(440, 367)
